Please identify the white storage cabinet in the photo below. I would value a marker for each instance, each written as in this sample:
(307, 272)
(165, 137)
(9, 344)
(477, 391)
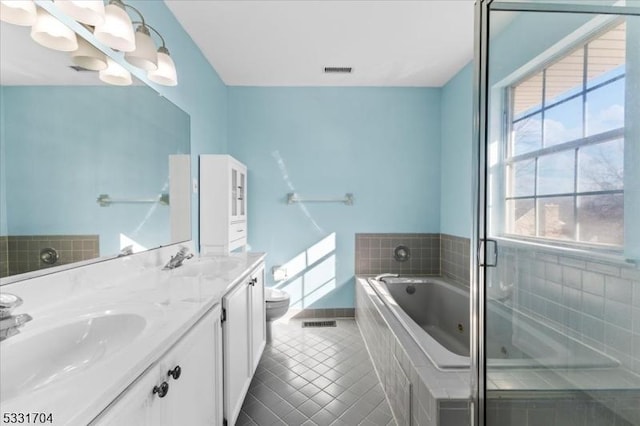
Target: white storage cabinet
(223, 204)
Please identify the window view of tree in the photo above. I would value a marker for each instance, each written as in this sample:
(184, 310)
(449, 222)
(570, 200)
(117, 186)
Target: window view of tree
(565, 154)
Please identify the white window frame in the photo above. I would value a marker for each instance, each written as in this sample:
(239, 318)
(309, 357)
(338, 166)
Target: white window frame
(500, 124)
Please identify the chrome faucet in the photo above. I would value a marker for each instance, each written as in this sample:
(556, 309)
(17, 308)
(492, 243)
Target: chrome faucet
(176, 261)
(9, 324)
(381, 276)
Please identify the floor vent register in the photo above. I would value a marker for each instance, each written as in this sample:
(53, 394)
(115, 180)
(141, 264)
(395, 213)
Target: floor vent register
(330, 323)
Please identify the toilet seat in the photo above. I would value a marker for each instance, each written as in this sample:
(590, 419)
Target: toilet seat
(276, 304)
(275, 295)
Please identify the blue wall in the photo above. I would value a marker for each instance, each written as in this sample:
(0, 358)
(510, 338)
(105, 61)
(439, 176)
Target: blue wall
(456, 202)
(381, 144)
(105, 140)
(199, 92)
(510, 50)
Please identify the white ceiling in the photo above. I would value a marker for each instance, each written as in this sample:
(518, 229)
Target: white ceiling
(288, 43)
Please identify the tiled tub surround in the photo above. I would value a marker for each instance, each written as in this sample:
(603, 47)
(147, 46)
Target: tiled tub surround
(454, 258)
(374, 254)
(431, 254)
(4, 256)
(22, 252)
(594, 301)
(418, 393)
(539, 393)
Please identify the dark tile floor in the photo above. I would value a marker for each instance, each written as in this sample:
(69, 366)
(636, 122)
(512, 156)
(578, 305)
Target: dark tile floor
(315, 376)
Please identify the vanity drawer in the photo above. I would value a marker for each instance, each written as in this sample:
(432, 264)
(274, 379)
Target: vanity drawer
(237, 231)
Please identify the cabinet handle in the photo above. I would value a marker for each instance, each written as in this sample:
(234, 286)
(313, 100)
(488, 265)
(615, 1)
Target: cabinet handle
(239, 198)
(253, 281)
(175, 373)
(161, 390)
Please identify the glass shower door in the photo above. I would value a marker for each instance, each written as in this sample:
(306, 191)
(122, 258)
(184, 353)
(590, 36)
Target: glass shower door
(558, 299)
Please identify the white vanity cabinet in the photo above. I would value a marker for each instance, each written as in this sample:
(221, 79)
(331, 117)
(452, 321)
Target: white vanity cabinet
(244, 339)
(258, 317)
(223, 204)
(183, 387)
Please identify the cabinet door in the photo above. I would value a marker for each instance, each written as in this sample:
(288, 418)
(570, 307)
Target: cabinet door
(258, 318)
(193, 396)
(239, 192)
(234, 193)
(242, 194)
(137, 406)
(236, 348)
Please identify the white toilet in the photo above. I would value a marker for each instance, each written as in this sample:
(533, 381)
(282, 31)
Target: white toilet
(277, 304)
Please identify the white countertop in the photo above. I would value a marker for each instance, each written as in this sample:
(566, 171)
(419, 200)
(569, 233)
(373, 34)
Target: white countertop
(170, 302)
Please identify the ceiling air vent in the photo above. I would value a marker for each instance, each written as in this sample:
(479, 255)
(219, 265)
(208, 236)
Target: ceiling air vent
(338, 70)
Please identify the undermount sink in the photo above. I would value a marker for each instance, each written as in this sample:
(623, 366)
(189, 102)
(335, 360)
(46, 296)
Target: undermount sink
(35, 361)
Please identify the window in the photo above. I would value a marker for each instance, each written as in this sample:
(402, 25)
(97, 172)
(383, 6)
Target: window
(565, 154)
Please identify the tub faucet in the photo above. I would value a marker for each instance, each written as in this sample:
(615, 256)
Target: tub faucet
(176, 261)
(9, 324)
(381, 276)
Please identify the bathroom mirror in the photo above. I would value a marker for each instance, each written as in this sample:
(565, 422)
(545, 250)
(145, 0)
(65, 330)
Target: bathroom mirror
(86, 168)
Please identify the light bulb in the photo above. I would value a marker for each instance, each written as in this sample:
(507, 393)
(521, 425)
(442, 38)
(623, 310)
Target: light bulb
(166, 74)
(88, 56)
(117, 30)
(50, 32)
(115, 74)
(145, 56)
(18, 12)
(90, 12)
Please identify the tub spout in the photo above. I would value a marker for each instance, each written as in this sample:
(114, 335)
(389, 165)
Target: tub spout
(381, 276)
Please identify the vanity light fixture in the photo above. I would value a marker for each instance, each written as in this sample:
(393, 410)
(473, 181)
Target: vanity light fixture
(115, 74)
(117, 30)
(18, 12)
(159, 66)
(111, 25)
(50, 32)
(88, 56)
(90, 12)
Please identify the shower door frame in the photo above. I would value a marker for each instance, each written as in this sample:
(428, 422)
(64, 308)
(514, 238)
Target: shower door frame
(479, 234)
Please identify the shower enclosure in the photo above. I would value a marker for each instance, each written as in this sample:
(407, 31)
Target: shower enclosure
(558, 213)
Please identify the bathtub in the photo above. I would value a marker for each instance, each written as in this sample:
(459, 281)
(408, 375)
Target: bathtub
(436, 315)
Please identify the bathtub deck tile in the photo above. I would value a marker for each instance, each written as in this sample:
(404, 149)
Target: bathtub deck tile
(316, 376)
